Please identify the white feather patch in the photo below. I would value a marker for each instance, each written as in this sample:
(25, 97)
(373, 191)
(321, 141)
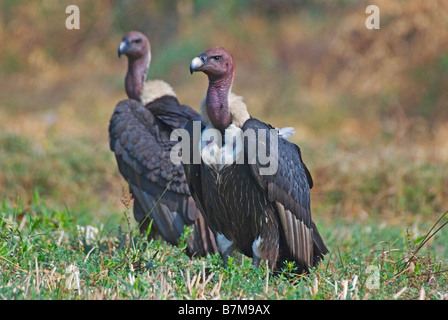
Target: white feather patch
(286, 132)
(219, 156)
(256, 247)
(155, 89)
(223, 243)
(238, 110)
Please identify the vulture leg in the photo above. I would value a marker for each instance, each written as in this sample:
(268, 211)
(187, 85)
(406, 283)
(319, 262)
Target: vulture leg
(225, 257)
(256, 260)
(225, 248)
(265, 247)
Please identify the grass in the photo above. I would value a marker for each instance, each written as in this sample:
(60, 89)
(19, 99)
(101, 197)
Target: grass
(46, 254)
(373, 202)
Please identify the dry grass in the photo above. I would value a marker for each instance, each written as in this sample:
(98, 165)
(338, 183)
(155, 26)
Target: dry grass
(46, 255)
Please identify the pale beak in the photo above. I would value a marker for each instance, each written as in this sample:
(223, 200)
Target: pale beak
(124, 46)
(197, 63)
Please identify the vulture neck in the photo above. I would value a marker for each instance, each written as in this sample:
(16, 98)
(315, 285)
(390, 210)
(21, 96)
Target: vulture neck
(136, 76)
(217, 103)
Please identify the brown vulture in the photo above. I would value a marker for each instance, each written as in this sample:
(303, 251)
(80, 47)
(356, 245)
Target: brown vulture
(139, 132)
(263, 214)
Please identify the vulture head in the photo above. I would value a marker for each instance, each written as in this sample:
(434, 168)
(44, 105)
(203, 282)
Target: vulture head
(217, 63)
(135, 45)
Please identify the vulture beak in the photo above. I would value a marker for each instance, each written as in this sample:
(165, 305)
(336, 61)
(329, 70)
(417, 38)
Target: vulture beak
(124, 46)
(197, 63)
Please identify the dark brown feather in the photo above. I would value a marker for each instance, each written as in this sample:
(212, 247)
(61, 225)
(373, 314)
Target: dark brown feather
(289, 188)
(141, 142)
(243, 206)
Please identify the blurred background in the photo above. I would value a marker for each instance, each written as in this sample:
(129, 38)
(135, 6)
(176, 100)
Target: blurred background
(370, 107)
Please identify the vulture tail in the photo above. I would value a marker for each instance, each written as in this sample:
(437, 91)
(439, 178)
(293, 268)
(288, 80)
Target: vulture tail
(202, 241)
(319, 246)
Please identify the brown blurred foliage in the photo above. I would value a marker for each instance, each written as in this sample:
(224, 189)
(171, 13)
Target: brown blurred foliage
(318, 45)
(364, 102)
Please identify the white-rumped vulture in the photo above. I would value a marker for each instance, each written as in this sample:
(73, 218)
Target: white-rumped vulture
(139, 131)
(263, 214)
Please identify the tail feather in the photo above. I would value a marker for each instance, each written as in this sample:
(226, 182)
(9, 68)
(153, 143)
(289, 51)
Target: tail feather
(202, 241)
(320, 249)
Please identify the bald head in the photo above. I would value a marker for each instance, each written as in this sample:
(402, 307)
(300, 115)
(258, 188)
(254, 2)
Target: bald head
(217, 63)
(134, 45)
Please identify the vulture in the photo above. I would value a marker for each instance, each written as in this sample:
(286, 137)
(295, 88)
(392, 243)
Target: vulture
(139, 132)
(260, 208)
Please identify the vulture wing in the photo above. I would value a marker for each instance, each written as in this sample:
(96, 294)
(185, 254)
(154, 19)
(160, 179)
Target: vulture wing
(193, 170)
(288, 188)
(141, 142)
(171, 112)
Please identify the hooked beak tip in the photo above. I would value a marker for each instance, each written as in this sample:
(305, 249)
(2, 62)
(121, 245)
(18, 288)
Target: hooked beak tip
(196, 64)
(122, 48)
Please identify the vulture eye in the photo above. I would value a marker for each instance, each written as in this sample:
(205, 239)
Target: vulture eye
(217, 58)
(138, 40)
